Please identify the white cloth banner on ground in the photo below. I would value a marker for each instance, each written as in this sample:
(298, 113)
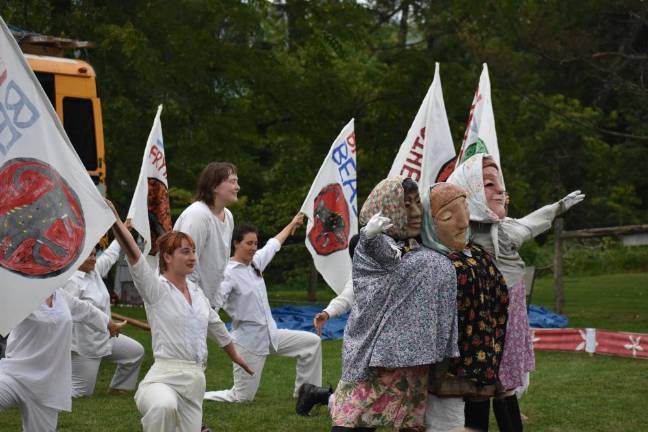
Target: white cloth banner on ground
(150, 212)
(428, 149)
(480, 136)
(51, 214)
(331, 207)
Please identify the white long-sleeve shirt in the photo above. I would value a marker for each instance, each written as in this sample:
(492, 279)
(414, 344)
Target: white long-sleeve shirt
(90, 287)
(213, 239)
(511, 234)
(179, 330)
(244, 297)
(343, 302)
(38, 349)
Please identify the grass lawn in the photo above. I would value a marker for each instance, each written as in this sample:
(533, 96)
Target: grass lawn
(569, 391)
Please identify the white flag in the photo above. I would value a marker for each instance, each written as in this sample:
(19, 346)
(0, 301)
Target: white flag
(149, 211)
(331, 207)
(480, 136)
(51, 214)
(427, 150)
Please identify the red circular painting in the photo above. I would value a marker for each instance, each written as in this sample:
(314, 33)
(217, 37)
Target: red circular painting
(330, 232)
(41, 219)
(446, 170)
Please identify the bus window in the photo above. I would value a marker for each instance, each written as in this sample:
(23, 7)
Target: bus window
(46, 81)
(78, 121)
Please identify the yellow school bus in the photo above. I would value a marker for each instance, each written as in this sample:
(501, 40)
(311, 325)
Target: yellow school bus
(71, 86)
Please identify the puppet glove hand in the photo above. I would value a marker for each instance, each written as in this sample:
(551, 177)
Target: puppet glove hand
(397, 251)
(571, 200)
(377, 224)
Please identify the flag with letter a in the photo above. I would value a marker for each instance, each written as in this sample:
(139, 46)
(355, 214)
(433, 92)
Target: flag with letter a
(150, 212)
(331, 207)
(51, 213)
(427, 153)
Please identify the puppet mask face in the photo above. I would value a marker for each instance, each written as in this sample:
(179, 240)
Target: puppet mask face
(414, 212)
(450, 215)
(494, 190)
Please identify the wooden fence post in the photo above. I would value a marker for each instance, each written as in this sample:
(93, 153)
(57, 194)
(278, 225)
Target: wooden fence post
(312, 282)
(559, 293)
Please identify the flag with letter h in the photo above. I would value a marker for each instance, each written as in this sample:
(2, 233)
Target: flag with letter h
(427, 154)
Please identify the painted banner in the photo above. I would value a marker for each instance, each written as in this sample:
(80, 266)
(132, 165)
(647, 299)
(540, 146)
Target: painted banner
(150, 212)
(331, 207)
(427, 154)
(593, 341)
(51, 213)
(481, 136)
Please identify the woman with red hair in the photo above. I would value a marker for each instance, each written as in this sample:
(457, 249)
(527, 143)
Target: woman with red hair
(171, 394)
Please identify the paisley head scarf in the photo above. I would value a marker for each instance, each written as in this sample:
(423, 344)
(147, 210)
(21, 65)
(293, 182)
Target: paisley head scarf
(388, 198)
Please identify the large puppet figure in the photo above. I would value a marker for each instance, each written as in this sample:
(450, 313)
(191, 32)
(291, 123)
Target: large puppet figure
(403, 318)
(502, 237)
(482, 307)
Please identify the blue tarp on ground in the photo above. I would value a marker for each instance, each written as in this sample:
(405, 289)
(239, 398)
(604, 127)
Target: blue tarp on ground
(301, 318)
(540, 317)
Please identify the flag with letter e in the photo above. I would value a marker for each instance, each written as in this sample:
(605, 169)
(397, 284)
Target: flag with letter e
(150, 212)
(427, 154)
(331, 207)
(51, 213)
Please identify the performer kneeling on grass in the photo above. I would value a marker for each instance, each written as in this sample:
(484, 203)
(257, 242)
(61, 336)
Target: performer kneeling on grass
(36, 374)
(89, 346)
(170, 396)
(243, 295)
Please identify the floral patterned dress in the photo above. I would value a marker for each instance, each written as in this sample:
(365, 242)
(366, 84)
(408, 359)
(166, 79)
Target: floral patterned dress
(393, 398)
(482, 305)
(404, 318)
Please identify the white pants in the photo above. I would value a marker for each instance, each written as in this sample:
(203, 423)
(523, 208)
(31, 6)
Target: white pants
(444, 414)
(35, 417)
(127, 353)
(170, 396)
(306, 347)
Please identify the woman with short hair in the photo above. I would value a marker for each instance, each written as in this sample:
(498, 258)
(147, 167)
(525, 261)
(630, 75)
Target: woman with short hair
(170, 395)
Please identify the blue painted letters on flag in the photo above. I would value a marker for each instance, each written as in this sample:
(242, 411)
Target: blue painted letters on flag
(347, 168)
(17, 112)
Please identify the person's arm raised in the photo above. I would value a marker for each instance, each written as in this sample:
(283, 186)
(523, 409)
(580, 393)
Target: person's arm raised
(124, 237)
(290, 229)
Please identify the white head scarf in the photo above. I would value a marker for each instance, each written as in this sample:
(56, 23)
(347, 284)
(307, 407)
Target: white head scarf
(469, 176)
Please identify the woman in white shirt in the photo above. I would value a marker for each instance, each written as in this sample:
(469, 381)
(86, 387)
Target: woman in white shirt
(89, 346)
(243, 295)
(36, 374)
(170, 395)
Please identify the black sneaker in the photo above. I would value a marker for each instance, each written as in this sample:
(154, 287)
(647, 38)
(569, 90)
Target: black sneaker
(310, 395)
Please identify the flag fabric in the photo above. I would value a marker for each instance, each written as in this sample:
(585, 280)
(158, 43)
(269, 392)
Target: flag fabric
(427, 152)
(331, 207)
(480, 136)
(150, 212)
(51, 213)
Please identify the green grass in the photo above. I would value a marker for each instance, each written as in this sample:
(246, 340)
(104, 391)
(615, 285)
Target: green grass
(569, 391)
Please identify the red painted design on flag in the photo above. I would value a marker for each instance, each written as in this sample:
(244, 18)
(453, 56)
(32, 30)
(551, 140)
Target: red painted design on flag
(42, 221)
(446, 170)
(159, 211)
(330, 232)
